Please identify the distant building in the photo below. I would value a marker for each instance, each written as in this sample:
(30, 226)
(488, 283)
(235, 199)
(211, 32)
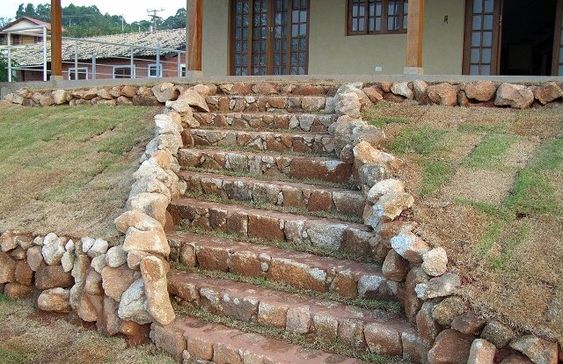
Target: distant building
(109, 56)
(29, 37)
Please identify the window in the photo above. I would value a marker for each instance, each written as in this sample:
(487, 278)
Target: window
(377, 16)
(155, 70)
(16, 39)
(123, 72)
(82, 73)
(183, 70)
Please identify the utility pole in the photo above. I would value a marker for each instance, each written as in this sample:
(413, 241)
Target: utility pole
(56, 40)
(154, 16)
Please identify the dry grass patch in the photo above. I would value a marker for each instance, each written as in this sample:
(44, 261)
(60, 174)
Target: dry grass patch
(30, 337)
(68, 169)
(487, 183)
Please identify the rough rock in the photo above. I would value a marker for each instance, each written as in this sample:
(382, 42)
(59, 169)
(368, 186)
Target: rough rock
(373, 93)
(54, 300)
(384, 187)
(409, 246)
(53, 249)
(17, 291)
(395, 267)
(497, 333)
(435, 262)
(447, 310)
(90, 307)
(443, 94)
(481, 352)
(547, 92)
(7, 242)
(23, 273)
(7, 268)
(539, 351)
(189, 98)
(154, 272)
(152, 204)
(402, 89)
(34, 257)
(133, 305)
(116, 280)
(51, 276)
(165, 92)
(480, 90)
(148, 241)
(419, 87)
(382, 339)
(116, 257)
(67, 261)
(388, 208)
(138, 220)
(450, 347)
(348, 104)
(445, 285)
(516, 96)
(98, 263)
(99, 247)
(468, 323)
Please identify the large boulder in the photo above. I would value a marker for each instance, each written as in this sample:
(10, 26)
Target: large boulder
(7, 268)
(153, 270)
(480, 90)
(54, 300)
(53, 249)
(539, 351)
(402, 89)
(409, 246)
(153, 241)
(190, 98)
(443, 94)
(133, 305)
(116, 280)
(516, 96)
(165, 91)
(450, 347)
(138, 220)
(547, 92)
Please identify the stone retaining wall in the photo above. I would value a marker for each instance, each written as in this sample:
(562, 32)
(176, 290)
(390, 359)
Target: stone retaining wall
(475, 93)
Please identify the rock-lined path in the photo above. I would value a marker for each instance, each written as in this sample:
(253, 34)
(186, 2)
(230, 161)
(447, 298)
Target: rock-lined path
(269, 232)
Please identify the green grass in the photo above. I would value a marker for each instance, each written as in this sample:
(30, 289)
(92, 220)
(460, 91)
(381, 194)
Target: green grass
(490, 152)
(435, 174)
(424, 141)
(533, 194)
(381, 121)
(498, 128)
(12, 357)
(550, 156)
(310, 342)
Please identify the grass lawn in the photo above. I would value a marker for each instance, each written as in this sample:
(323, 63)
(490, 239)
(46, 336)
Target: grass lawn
(29, 336)
(487, 184)
(68, 169)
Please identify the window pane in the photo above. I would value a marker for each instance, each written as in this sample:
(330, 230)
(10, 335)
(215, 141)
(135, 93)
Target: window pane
(477, 6)
(486, 55)
(475, 55)
(474, 70)
(561, 70)
(476, 22)
(485, 70)
(476, 39)
(488, 22)
(487, 39)
(489, 6)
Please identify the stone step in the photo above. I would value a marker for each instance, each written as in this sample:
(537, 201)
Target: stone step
(198, 341)
(270, 103)
(268, 164)
(309, 197)
(306, 271)
(318, 143)
(328, 234)
(294, 313)
(299, 122)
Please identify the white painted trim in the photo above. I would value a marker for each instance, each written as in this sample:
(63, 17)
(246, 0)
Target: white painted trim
(154, 66)
(80, 70)
(183, 70)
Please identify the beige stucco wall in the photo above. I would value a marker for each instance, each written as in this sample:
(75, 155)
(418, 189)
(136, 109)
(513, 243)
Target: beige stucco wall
(332, 52)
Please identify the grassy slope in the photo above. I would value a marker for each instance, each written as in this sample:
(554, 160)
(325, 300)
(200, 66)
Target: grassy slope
(68, 169)
(509, 253)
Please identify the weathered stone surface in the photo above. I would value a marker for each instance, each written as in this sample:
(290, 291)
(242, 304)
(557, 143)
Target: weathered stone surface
(298, 320)
(384, 187)
(516, 359)
(154, 241)
(326, 327)
(419, 88)
(547, 92)
(450, 347)
(80, 269)
(165, 92)
(382, 339)
(497, 333)
(402, 89)
(516, 96)
(272, 315)
(98, 263)
(54, 300)
(443, 94)
(481, 352)
(170, 339)
(8, 242)
(409, 246)
(427, 328)
(395, 267)
(23, 273)
(99, 247)
(93, 283)
(388, 208)
(435, 262)
(445, 285)
(116, 280)
(152, 204)
(373, 93)
(60, 97)
(447, 310)
(154, 272)
(348, 104)
(480, 90)
(133, 305)
(7, 268)
(51, 276)
(134, 258)
(53, 249)
(138, 220)
(17, 291)
(468, 323)
(414, 348)
(116, 257)
(188, 99)
(412, 303)
(369, 285)
(67, 261)
(90, 307)
(111, 321)
(539, 351)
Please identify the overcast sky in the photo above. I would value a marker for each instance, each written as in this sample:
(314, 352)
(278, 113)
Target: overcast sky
(131, 10)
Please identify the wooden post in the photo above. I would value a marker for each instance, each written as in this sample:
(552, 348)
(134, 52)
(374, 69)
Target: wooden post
(415, 37)
(194, 32)
(56, 40)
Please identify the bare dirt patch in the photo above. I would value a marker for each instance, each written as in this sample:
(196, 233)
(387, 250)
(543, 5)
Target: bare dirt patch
(479, 185)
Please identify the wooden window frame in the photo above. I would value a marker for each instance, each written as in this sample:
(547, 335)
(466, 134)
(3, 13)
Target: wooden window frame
(384, 19)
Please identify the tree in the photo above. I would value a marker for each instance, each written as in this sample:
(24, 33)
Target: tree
(4, 21)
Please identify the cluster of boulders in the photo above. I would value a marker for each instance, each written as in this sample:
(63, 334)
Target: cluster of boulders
(312, 98)
(86, 276)
(448, 330)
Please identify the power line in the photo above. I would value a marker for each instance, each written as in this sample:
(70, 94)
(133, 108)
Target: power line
(154, 16)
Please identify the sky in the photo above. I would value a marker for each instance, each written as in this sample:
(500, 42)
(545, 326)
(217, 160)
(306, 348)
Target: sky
(132, 10)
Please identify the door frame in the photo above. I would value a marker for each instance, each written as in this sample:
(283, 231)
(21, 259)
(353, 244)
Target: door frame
(557, 38)
(497, 37)
(270, 54)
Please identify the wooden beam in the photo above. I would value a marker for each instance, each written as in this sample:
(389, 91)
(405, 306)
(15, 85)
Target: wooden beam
(415, 37)
(194, 34)
(56, 40)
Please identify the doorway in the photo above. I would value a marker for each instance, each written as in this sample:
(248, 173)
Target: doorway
(269, 37)
(512, 37)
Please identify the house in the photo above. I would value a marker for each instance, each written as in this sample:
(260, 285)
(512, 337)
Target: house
(324, 37)
(124, 55)
(25, 36)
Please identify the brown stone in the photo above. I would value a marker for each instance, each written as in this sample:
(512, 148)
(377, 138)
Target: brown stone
(516, 96)
(116, 280)
(443, 94)
(277, 102)
(51, 276)
(90, 308)
(450, 347)
(497, 333)
(447, 310)
(153, 270)
(265, 88)
(480, 90)
(136, 334)
(7, 268)
(292, 197)
(539, 351)
(326, 326)
(54, 300)
(308, 90)
(299, 275)
(154, 241)
(23, 273)
(414, 348)
(213, 258)
(547, 92)
(395, 267)
(373, 93)
(516, 359)
(111, 321)
(17, 291)
(468, 323)
(382, 339)
(345, 285)
(170, 339)
(426, 326)
(199, 348)
(265, 227)
(272, 315)
(129, 91)
(411, 302)
(93, 283)
(246, 264)
(482, 352)
(237, 223)
(34, 258)
(320, 201)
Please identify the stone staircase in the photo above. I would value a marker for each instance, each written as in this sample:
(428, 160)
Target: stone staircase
(271, 262)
